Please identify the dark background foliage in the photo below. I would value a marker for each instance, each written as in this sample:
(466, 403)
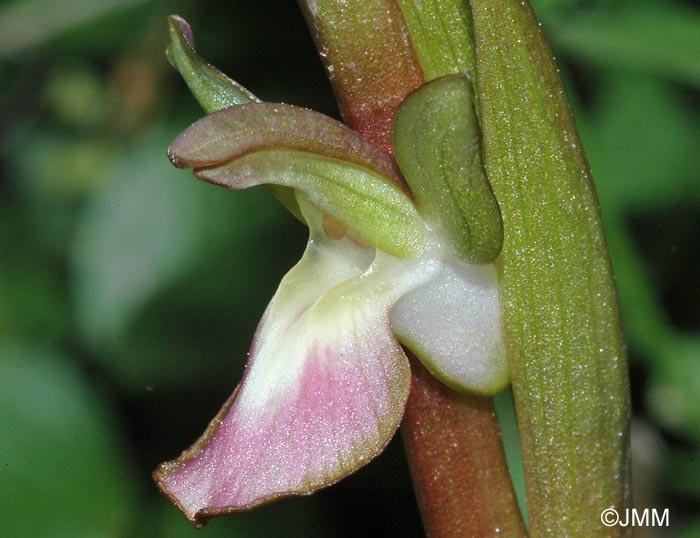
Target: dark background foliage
(129, 292)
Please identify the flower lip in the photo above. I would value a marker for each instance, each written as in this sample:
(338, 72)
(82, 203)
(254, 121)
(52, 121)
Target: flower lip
(323, 393)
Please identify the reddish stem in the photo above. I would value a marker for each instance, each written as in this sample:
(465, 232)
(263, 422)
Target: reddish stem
(453, 443)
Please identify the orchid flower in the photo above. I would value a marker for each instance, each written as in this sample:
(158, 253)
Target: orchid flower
(400, 252)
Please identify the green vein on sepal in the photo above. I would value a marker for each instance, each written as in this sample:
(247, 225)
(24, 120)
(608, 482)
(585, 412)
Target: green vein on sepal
(376, 209)
(437, 143)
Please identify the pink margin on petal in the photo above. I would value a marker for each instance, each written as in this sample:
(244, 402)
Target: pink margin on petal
(337, 418)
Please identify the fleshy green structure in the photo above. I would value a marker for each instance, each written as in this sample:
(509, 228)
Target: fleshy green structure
(563, 336)
(437, 143)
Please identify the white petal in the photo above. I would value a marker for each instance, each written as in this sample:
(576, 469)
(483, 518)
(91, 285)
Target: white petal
(453, 324)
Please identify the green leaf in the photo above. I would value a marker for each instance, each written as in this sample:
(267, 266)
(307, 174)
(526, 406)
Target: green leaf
(641, 141)
(138, 233)
(437, 143)
(28, 23)
(62, 470)
(653, 39)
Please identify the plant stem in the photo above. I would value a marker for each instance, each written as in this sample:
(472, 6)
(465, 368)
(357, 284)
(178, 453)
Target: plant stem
(453, 441)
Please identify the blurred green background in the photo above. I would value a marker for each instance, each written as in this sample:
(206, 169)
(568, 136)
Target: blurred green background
(129, 292)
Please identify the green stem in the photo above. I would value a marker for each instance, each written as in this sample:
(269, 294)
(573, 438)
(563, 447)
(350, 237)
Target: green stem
(566, 352)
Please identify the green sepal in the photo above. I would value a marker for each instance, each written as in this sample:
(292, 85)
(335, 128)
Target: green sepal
(376, 209)
(437, 143)
(340, 171)
(214, 90)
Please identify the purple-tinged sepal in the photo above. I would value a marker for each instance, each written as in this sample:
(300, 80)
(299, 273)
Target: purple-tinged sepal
(337, 169)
